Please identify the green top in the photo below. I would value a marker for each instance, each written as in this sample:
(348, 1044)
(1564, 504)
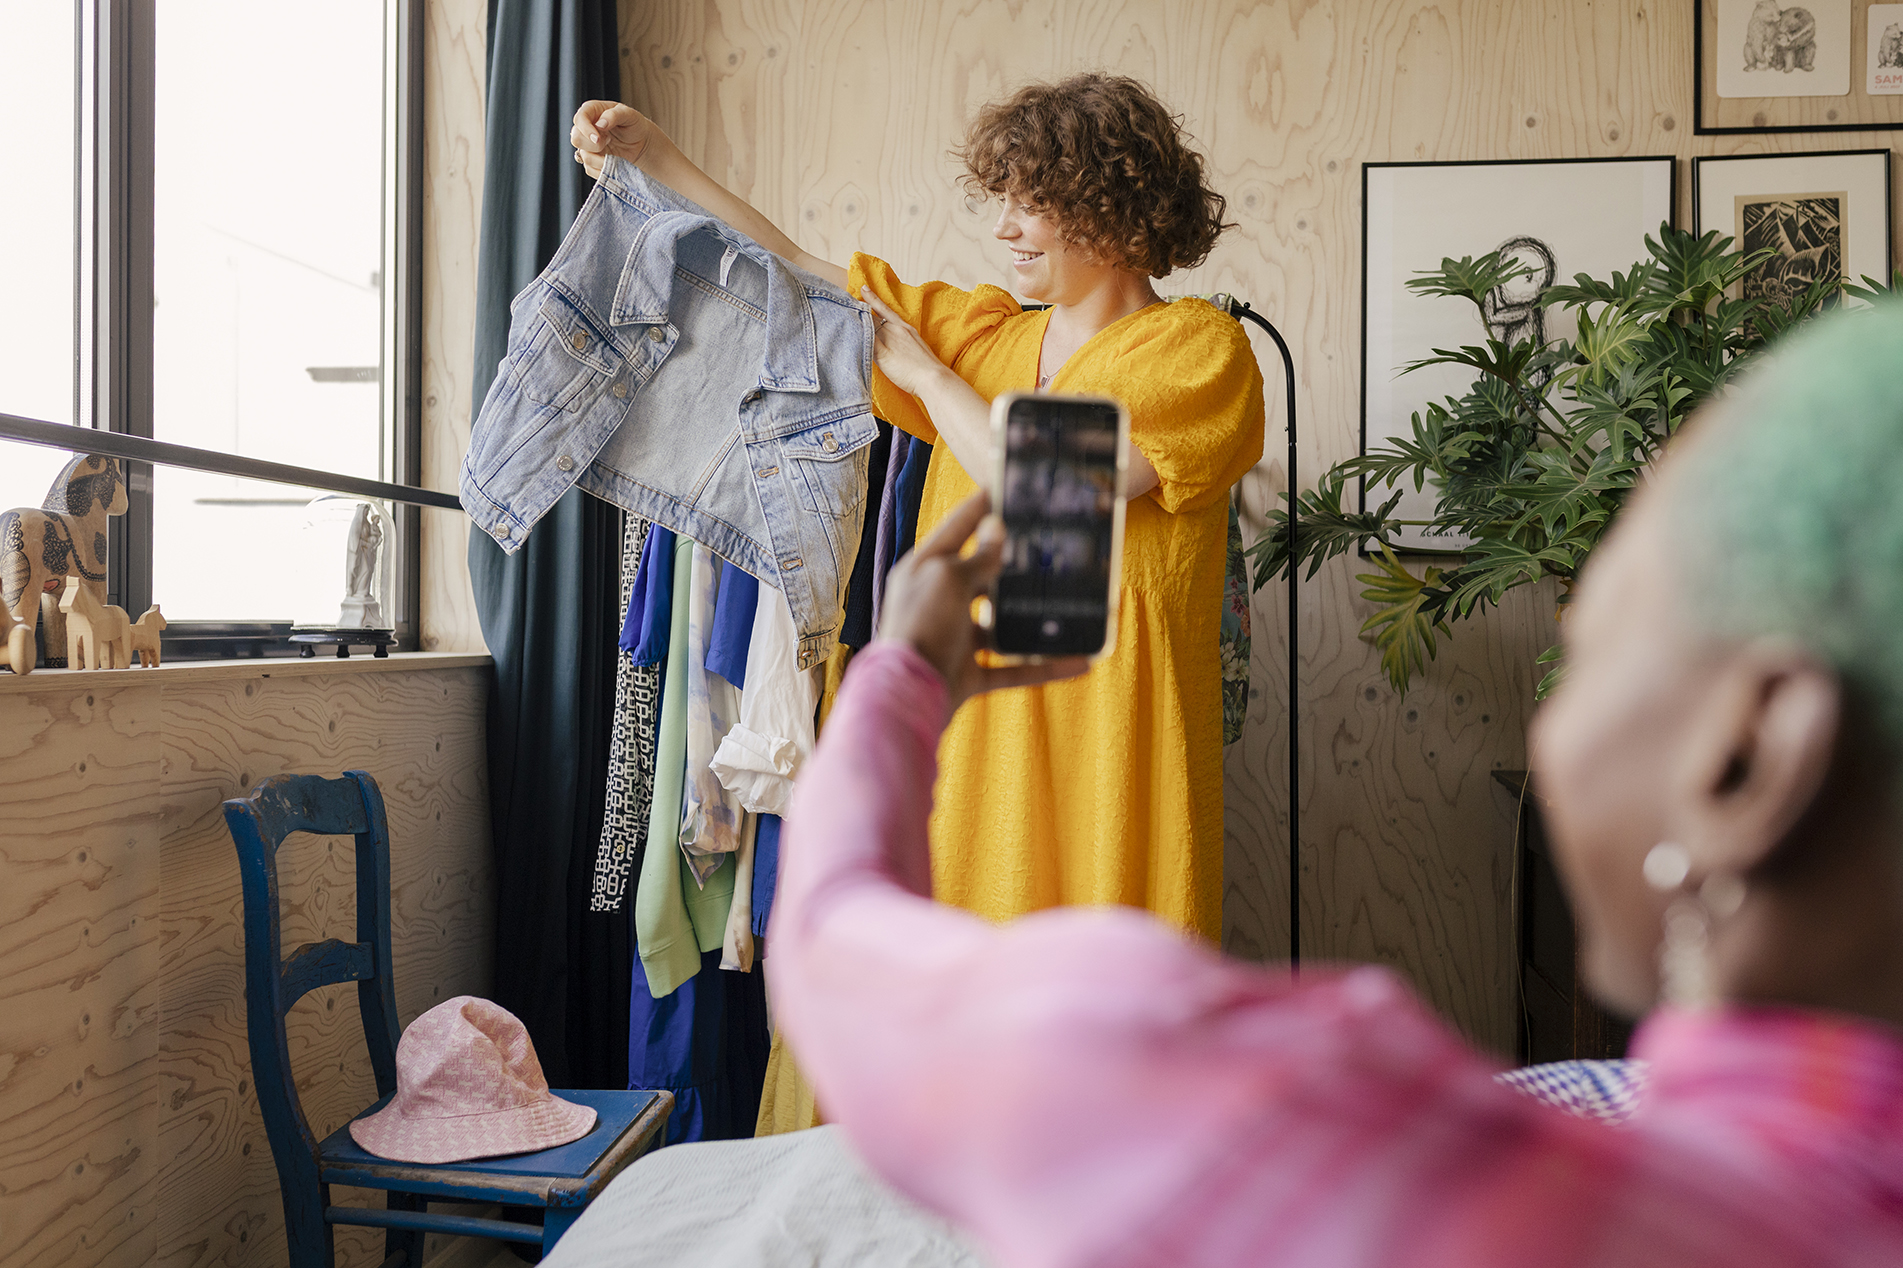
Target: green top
(675, 920)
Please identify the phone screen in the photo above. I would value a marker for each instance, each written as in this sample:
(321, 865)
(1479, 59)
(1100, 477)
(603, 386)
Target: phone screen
(1059, 503)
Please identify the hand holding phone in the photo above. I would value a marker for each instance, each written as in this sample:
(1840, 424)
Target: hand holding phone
(928, 601)
(1058, 486)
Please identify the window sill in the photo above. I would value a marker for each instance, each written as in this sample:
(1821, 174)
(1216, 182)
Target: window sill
(190, 671)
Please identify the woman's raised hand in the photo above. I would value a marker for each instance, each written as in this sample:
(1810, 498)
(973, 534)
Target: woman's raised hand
(902, 354)
(608, 127)
(928, 598)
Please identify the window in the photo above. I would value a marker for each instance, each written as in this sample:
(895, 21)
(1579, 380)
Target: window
(219, 251)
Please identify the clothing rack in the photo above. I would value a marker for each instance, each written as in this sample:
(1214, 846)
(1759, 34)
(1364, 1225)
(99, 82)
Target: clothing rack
(1242, 311)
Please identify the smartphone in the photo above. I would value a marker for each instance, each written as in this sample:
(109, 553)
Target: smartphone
(1058, 486)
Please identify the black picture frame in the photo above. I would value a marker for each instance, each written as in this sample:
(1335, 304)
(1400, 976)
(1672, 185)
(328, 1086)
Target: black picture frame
(1704, 162)
(1671, 218)
(1700, 62)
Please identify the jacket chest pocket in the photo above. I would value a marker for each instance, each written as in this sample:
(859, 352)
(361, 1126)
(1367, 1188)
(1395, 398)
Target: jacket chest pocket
(828, 463)
(569, 359)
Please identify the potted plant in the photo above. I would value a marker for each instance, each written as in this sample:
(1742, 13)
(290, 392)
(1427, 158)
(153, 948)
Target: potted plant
(1532, 465)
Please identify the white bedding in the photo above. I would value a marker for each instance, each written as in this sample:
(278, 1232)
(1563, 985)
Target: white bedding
(799, 1200)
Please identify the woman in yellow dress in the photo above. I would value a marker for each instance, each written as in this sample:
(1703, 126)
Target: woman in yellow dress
(1106, 788)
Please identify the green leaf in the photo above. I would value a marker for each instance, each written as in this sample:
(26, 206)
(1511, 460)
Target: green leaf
(1550, 682)
(1406, 622)
(1507, 363)
(1323, 529)
(1872, 290)
(1624, 289)
(1605, 344)
(1468, 278)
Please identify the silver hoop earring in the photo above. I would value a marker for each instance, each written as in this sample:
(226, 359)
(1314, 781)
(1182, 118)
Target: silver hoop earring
(1685, 950)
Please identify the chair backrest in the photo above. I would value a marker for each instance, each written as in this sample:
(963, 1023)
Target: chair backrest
(259, 823)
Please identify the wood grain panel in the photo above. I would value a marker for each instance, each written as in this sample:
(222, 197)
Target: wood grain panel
(420, 735)
(129, 1129)
(834, 117)
(452, 209)
(79, 997)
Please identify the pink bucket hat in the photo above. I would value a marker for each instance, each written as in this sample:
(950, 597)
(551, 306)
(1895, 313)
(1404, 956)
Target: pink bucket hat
(468, 1086)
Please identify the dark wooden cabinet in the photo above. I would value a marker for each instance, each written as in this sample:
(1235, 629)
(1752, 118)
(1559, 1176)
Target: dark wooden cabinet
(1559, 1019)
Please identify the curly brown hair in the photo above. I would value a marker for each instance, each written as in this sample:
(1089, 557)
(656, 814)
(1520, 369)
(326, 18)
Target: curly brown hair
(1107, 161)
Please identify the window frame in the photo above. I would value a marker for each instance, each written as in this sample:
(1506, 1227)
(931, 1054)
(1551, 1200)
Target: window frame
(113, 215)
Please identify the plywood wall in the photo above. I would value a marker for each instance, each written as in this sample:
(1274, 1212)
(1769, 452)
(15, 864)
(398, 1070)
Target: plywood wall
(834, 117)
(129, 1129)
(453, 56)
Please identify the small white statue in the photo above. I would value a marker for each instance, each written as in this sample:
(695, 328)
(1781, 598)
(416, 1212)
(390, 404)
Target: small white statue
(362, 546)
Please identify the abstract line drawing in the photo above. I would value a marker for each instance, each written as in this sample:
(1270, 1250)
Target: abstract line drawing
(1512, 309)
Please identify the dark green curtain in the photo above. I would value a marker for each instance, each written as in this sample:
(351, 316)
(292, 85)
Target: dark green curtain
(548, 612)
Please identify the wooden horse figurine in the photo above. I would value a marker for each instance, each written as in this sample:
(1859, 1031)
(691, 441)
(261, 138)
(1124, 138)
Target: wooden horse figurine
(65, 538)
(145, 636)
(98, 634)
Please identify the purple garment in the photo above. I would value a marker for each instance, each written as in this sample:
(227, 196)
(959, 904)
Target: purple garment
(888, 523)
(644, 633)
(733, 624)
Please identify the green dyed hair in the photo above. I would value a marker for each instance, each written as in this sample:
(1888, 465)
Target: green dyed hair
(1789, 517)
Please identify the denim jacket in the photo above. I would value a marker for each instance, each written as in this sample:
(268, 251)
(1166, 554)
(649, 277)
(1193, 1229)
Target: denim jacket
(669, 364)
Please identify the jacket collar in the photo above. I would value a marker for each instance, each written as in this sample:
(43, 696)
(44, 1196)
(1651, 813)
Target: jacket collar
(791, 361)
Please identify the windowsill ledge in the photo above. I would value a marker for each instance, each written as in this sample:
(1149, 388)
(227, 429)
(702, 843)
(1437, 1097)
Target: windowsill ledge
(179, 673)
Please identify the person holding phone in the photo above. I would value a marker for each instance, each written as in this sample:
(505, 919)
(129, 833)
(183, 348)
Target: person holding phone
(1104, 788)
(1720, 771)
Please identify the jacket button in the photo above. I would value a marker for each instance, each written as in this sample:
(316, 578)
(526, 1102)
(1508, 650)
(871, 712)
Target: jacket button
(751, 397)
(656, 333)
(579, 340)
(503, 530)
(827, 443)
(564, 463)
(620, 390)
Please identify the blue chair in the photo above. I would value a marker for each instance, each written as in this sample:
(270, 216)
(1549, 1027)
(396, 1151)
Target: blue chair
(560, 1181)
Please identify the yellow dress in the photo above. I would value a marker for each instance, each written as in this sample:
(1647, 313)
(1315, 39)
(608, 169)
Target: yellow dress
(1105, 788)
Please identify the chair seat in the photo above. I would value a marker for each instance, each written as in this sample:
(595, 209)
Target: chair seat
(627, 1125)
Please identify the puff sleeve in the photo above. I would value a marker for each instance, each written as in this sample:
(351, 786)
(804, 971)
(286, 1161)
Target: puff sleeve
(1195, 397)
(950, 321)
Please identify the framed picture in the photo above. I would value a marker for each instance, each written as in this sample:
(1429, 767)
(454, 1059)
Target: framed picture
(1825, 215)
(1563, 217)
(1797, 66)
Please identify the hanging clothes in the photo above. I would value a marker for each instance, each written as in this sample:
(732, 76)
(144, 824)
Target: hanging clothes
(736, 942)
(644, 633)
(637, 705)
(858, 628)
(887, 533)
(766, 870)
(707, 1043)
(1236, 641)
(759, 757)
(787, 1103)
(911, 491)
(677, 919)
(733, 624)
(710, 815)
